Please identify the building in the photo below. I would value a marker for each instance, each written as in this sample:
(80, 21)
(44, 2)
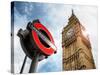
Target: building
(77, 54)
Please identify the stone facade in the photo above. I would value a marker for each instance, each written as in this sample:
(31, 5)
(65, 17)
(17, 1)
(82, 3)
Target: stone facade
(76, 46)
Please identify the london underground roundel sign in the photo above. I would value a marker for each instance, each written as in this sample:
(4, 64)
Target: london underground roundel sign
(43, 39)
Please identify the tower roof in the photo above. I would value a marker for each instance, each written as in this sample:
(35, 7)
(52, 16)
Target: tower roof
(73, 16)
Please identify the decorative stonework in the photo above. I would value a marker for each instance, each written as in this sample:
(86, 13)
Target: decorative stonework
(76, 46)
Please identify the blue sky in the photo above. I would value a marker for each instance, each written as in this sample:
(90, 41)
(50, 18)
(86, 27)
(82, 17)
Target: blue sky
(54, 17)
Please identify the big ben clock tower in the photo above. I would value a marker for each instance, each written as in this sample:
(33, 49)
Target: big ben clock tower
(77, 54)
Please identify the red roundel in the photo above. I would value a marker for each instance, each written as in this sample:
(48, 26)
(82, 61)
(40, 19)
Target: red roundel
(44, 49)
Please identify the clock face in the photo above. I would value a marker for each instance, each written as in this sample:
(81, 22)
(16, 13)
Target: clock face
(70, 32)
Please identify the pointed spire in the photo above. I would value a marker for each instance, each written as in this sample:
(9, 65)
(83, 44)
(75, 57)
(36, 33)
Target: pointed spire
(73, 16)
(72, 12)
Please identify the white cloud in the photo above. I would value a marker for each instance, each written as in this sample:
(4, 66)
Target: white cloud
(19, 22)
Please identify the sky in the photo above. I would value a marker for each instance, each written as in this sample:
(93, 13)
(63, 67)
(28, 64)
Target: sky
(54, 17)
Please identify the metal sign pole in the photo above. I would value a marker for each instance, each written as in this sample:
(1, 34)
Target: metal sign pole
(34, 63)
(23, 64)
